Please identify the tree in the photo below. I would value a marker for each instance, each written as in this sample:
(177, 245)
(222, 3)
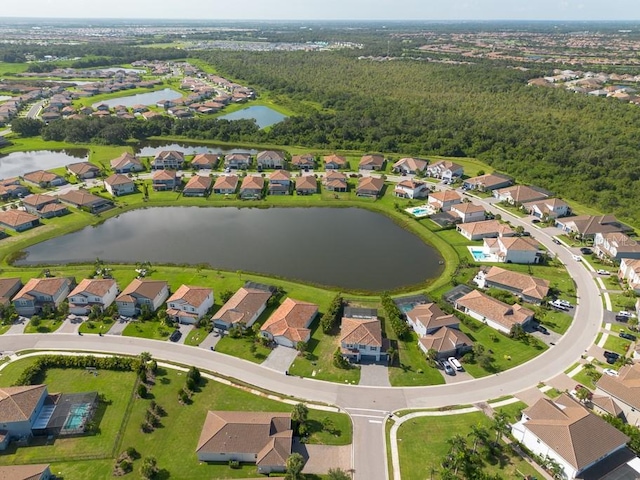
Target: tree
(27, 127)
(302, 347)
(149, 468)
(479, 435)
(552, 465)
(392, 354)
(432, 356)
(226, 295)
(583, 394)
(338, 474)
(295, 464)
(300, 413)
(500, 425)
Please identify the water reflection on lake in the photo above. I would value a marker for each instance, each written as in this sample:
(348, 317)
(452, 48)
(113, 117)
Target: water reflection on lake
(264, 116)
(19, 163)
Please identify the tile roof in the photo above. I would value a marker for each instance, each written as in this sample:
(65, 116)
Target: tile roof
(269, 154)
(411, 183)
(94, 286)
(486, 227)
(337, 159)
(14, 218)
(37, 200)
(17, 404)
(7, 285)
(375, 184)
(118, 179)
(40, 176)
(228, 182)
(495, 310)
(530, 286)
(622, 243)
(198, 182)
(242, 157)
(361, 332)
(205, 159)
(23, 472)
(304, 159)
(467, 207)
(53, 207)
(375, 160)
(431, 316)
(547, 205)
(242, 306)
(252, 182)
(488, 180)
(145, 288)
(164, 154)
(46, 286)
(291, 320)
(194, 296)
(445, 165)
(81, 197)
(521, 193)
(414, 164)
(625, 387)
(164, 175)
(519, 243)
(280, 175)
(607, 404)
(307, 182)
(445, 339)
(81, 168)
(592, 224)
(124, 160)
(445, 196)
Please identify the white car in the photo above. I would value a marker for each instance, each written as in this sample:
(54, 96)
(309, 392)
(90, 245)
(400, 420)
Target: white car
(577, 258)
(611, 372)
(455, 363)
(604, 272)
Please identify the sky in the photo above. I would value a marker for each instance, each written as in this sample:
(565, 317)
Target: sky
(328, 9)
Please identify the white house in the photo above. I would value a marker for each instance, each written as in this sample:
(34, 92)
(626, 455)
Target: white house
(242, 309)
(624, 390)
(126, 163)
(270, 159)
(142, 292)
(616, 246)
(39, 292)
(513, 249)
(468, 212)
(168, 159)
(361, 338)
(498, 315)
(426, 318)
(530, 289)
(444, 200)
(630, 271)
(410, 165)
(548, 207)
(90, 292)
(118, 184)
(411, 189)
(485, 229)
(487, 182)
(289, 324)
(445, 170)
(519, 194)
(189, 304)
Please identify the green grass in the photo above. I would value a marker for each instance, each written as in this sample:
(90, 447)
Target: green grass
(622, 302)
(45, 326)
(616, 344)
(4, 328)
(557, 321)
(150, 329)
(240, 347)
(96, 326)
(196, 336)
(584, 379)
(553, 393)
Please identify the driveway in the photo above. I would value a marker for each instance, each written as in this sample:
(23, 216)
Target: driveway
(71, 324)
(280, 358)
(457, 378)
(210, 341)
(320, 458)
(18, 326)
(374, 375)
(118, 326)
(184, 330)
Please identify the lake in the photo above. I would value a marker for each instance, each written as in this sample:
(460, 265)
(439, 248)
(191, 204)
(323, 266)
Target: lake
(150, 98)
(19, 163)
(153, 147)
(264, 116)
(343, 247)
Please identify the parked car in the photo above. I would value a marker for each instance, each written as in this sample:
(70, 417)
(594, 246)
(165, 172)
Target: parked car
(611, 372)
(448, 369)
(611, 357)
(175, 336)
(556, 241)
(628, 336)
(564, 303)
(622, 313)
(558, 305)
(455, 364)
(541, 329)
(586, 251)
(604, 272)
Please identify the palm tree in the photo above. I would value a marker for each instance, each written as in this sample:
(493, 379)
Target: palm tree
(479, 434)
(500, 425)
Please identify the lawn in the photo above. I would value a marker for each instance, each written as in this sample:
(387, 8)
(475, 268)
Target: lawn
(616, 344)
(149, 329)
(196, 336)
(241, 348)
(622, 302)
(584, 379)
(559, 322)
(96, 326)
(44, 326)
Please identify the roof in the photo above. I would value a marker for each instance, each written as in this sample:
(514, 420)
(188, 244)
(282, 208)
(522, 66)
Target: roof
(95, 286)
(124, 159)
(578, 436)
(592, 224)
(40, 176)
(530, 286)
(308, 182)
(168, 154)
(445, 165)
(413, 163)
(411, 183)
(228, 182)
(521, 193)
(291, 320)
(81, 197)
(375, 160)
(621, 242)
(118, 179)
(467, 207)
(304, 159)
(370, 183)
(36, 199)
(252, 182)
(205, 159)
(144, 288)
(198, 182)
(431, 316)
(82, 167)
(237, 156)
(445, 339)
(517, 243)
(269, 154)
(280, 175)
(18, 403)
(46, 286)
(486, 227)
(445, 196)
(194, 296)
(7, 287)
(337, 159)
(267, 435)
(547, 205)
(361, 332)
(488, 180)
(607, 404)
(164, 175)
(625, 387)
(242, 306)
(14, 218)
(23, 472)
(495, 310)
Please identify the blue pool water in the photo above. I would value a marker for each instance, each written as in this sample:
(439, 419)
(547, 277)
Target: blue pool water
(478, 254)
(77, 416)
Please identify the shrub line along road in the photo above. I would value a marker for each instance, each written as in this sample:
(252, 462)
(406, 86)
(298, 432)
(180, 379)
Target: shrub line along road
(368, 406)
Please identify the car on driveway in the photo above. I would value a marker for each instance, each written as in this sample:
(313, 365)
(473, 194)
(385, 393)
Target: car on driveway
(541, 329)
(455, 364)
(586, 251)
(628, 336)
(175, 336)
(604, 272)
(611, 372)
(611, 357)
(559, 305)
(448, 369)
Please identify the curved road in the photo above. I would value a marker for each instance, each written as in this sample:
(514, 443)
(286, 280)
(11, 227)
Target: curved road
(367, 405)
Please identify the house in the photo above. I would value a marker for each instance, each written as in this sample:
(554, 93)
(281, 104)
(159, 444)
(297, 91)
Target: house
(624, 390)
(198, 186)
(262, 438)
(565, 431)
(226, 184)
(547, 208)
(83, 170)
(237, 161)
(411, 189)
(92, 292)
(468, 212)
(519, 194)
(370, 187)
(251, 188)
(44, 206)
(242, 309)
(40, 292)
(514, 249)
(84, 200)
(444, 200)
(165, 180)
(20, 407)
(487, 182)
(335, 181)
(26, 472)
(410, 165)
(305, 161)
(270, 159)
(189, 304)
(8, 288)
(18, 220)
(586, 226)
(427, 318)
(44, 179)
(498, 315)
(629, 271)
(126, 163)
(371, 162)
(529, 289)
(616, 246)
(446, 342)
(204, 161)
(306, 185)
(445, 170)
(361, 339)
(12, 188)
(279, 182)
(138, 293)
(289, 324)
(168, 159)
(119, 184)
(485, 229)
(334, 162)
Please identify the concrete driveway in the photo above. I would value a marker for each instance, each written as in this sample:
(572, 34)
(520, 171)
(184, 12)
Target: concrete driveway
(18, 326)
(457, 378)
(210, 341)
(184, 330)
(118, 326)
(320, 458)
(71, 324)
(280, 358)
(374, 375)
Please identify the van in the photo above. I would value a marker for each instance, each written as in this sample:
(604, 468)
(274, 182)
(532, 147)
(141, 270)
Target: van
(455, 364)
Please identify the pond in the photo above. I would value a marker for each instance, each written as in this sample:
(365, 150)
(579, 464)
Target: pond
(264, 116)
(153, 147)
(150, 98)
(343, 247)
(19, 163)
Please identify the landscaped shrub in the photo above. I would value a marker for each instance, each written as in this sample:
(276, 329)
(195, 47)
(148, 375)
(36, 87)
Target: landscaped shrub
(330, 319)
(394, 315)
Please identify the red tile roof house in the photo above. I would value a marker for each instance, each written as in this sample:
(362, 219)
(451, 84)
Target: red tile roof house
(289, 324)
(165, 180)
(83, 170)
(25, 472)
(44, 179)
(44, 206)
(427, 318)
(445, 170)
(411, 189)
(306, 160)
(252, 187)
(335, 181)
(519, 194)
(237, 161)
(198, 186)
(616, 246)
(487, 182)
(39, 292)
(468, 212)
(12, 188)
(168, 159)
(243, 308)
(410, 165)
(624, 390)
(514, 249)
(370, 187)
(279, 183)
(444, 200)
(447, 342)
(118, 184)
(205, 161)
(189, 304)
(361, 339)
(92, 292)
(371, 162)
(126, 163)
(565, 431)
(306, 185)
(226, 184)
(142, 292)
(84, 200)
(263, 438)
(496, 314)
(18, 220)
(8, 288)
(270, 159)
(485, 229)
(529, 289)
(335, 162)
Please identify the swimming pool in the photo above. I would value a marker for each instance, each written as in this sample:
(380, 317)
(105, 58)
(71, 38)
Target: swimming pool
(479, 254)
(422, 211)
(77, 417)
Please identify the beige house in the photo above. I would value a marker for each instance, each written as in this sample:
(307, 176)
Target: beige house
(251, 188)
(126, 163)
(624, 390)
(306, 185)
(197, 186)
(586, 226)
(118, 184)
(83, 170)
(487, 182)
(40, 292)
(485, 229)
(334, 162)
(242, 309)
(371, 162)
(630, 272)
(528, 288)
(304, 161)
(370, 187)
(226, 184)
(411, 189)
(548, 207)
(519, 194)
(289, 324)
(490, 311)
(468, 212)
(139, 292)
(410, 165)
(513, 249)
(189, 304)
(205, 161)
(361, 338)
(335, 181)
(444, 200)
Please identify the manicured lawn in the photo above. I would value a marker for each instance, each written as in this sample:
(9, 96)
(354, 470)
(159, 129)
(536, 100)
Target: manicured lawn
(616, 344)
(240, 347)
(585, 379)
(96, 326)
(196, 336)
(622, 302)
(4, 328)
(557, 321)
(45, 326)
(411, 367)
(150, 329)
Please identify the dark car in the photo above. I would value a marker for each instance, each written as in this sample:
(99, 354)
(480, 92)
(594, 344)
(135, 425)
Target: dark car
(542, 329)
(628, 336)
(175, 336)
(556, 241)
(586, 251)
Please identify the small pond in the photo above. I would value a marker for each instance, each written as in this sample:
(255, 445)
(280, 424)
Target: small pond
(150, 98)
(19, 163)
(153, 147)
(264, 116)
(343, 247)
